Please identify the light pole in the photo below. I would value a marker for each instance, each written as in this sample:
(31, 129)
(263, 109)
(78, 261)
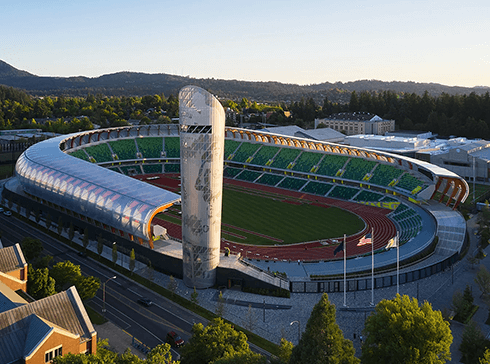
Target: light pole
(299, 328)
(103, 293)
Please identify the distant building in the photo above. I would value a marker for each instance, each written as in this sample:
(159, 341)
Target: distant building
(465, 157)
(322, 134)
(351, 123)
(34, 332)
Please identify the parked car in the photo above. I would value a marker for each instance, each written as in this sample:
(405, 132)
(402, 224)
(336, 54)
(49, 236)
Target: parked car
(174, 340)
(145, 301)
(7, 213)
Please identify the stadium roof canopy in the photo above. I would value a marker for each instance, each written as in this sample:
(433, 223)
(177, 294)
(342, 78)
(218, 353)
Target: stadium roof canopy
(106, 196)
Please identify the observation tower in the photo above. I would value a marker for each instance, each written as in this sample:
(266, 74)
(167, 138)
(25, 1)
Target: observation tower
(202, 130)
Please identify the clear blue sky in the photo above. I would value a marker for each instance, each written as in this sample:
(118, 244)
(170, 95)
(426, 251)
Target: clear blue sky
(301, 41)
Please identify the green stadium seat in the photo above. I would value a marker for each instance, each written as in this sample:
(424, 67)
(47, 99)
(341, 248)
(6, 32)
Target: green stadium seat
(248, 175)
(100, 152)
(80, 154)
(269, 179)
(330, 164)
(245, 152)
(285, 157)
(384, 174)
(342, 192)
(317, 188)
(172, 147)
(306, 161)
(292, 183)
(150, 147)
(264, 154)
(357, 168)
(124, 148)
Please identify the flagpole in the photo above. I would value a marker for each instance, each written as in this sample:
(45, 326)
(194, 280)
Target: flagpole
(397, 263)
(372, 266)
(345, 276)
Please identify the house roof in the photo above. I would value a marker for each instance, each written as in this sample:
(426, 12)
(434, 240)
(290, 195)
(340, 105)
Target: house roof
(11, 258)
(23, 328)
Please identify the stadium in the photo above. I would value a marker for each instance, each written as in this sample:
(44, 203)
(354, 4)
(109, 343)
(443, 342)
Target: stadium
(287, 203)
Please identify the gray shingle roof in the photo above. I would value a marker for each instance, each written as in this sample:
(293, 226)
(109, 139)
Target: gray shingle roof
(11, 258)
(22, 328)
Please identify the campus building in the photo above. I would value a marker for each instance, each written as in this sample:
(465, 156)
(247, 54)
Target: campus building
(351, 123)
(38, 331)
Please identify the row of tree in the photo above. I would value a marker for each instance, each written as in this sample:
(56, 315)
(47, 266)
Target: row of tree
(462, 115)
(399, 331)
(45, 279)
(19, 110)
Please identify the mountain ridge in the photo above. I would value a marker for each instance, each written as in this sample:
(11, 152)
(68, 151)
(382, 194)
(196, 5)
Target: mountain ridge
(127, 83)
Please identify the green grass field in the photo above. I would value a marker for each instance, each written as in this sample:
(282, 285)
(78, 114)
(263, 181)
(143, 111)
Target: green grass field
(278, 219)
(285, 221)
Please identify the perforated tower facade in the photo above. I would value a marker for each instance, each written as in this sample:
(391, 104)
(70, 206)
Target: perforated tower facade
(202, 129)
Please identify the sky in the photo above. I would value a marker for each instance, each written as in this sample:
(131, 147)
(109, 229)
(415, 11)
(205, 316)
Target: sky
(302, 42)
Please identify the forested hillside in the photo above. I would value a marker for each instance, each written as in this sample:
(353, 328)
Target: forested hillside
(141, 84)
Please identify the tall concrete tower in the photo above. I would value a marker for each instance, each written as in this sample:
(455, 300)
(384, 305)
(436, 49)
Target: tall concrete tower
(202, 131)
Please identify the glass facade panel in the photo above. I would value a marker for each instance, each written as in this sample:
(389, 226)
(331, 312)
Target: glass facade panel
(109, 197)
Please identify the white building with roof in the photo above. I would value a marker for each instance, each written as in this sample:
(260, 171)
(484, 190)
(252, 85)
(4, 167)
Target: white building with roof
(351, 123)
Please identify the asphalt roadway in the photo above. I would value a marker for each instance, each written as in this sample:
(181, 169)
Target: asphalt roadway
(147, 324)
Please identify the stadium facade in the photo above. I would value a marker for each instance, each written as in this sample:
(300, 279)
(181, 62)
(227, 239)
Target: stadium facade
(77, 176)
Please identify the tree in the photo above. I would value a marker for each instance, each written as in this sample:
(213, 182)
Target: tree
(482, 279)
(114, 253)
(31, 248)
(85, 240)
(132, 261)
(87, 287)
(285, 350)
(401, 331)
(216, 341)
(194, 296)
(473, 344)
(160, 354)
(220, 306)
(100, 245)
(486, 357)
(323, 340)
(64, 273)
(48, 221)
(60, 225)
(250, 319)
(71, 232)
(243, 358)
(172, 285)
(39, 283)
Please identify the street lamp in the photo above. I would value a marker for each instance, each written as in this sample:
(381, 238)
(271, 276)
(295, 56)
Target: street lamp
(103, 293)
(299, 328)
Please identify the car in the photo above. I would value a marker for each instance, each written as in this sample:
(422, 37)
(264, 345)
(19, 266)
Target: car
(145, 301)
(174, 340)
(1, 210)
(7, 213)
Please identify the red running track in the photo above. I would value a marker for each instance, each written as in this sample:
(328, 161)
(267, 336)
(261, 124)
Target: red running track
(374, 217)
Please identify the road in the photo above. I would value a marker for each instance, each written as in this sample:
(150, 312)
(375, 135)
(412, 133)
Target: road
(148, 324)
